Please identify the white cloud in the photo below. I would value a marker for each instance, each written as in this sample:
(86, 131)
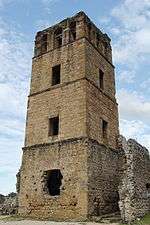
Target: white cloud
(49, 1)
(132, 128)
(133, 19)
(129, 25)
(133, 106)
(134, 26)
(15, 64)
(134, 116)
(145, 140)
(126, 76)
(146, 84)
(136, 129)
(5, 2)
(48, 4)
(43, 24)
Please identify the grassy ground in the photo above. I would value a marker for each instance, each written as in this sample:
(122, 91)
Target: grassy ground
(144, 221)
(10, 218)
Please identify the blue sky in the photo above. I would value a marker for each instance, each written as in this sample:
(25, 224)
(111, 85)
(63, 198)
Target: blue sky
(127, 22)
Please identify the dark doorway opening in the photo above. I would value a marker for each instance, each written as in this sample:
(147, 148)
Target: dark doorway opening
(54, 181)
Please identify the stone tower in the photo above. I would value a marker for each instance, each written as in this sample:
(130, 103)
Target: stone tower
(70, 162)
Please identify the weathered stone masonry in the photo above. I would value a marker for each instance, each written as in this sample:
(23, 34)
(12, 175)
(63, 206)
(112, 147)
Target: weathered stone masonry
(134, 188)
(72, 165)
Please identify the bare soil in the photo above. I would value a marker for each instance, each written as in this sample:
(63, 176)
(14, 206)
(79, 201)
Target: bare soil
(5, 221)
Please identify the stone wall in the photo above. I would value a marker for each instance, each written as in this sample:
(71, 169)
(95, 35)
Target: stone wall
(8, 204)
(100, 107)
(135, 181)
(87, 168)
(2, 199)
(72, 60)
(86, 154)
(95, 61)
(84, 28)
(103, 179)
(70, 157)
(86, 160)
(74, 98)
(68, 103)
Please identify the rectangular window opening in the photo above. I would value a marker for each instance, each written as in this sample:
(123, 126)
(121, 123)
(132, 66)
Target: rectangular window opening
(44, 43)
(53, 126)
(53, 182)
(44, 37)
(58, 37)
(97, 39)
(104, 129)
(41, 43)
(44, 47)
(58, 41)
(73, 31)
(56, 75)
(148, 187)
(101, 79)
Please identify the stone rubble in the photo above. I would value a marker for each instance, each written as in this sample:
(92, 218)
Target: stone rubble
(8, 204)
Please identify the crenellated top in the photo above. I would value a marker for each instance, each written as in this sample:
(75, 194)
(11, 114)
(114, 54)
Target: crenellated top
(70, 30)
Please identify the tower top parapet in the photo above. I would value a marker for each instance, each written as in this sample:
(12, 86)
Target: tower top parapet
(69, 30)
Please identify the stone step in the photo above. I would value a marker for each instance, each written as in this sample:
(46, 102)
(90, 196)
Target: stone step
(111, 214)
(108, 218)
(111, 219)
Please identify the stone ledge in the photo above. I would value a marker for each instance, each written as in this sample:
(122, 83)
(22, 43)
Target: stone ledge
(71, 82)
(86, 140)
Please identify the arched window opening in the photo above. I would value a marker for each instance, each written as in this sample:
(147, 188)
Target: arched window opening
(58, 37)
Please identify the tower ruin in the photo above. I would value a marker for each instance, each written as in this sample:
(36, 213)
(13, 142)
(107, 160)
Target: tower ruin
(70, 158)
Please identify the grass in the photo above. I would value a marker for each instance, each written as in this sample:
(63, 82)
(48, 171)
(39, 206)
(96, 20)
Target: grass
(144, 221)
(10, 218)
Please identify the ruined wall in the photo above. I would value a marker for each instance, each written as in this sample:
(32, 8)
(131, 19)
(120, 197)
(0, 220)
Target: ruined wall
(71, 158)
(84, 27)
(89, 184)
(78, 99)
(133, 189)
(8, 204)
(87, 163)
(103, 179)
